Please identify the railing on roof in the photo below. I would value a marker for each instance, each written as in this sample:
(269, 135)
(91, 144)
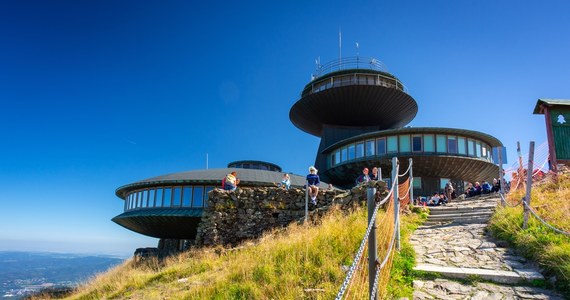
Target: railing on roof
(367, 63)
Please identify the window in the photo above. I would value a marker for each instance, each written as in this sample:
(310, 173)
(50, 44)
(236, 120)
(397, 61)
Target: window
(187, 196)
(442, 183)
(484, 151)
(151, 198)
(351, 152)
(359, 150)
(145, 198)
(381, 146)
(198, 196)
(370, 148)
(158, 201)
(405, 143)
(344, 154)
(392, 144)
(417, 143)
(417, 183)
(208, 189)
(176, 196)
(139, 199)
(336, 160)
(461, 145)
(478, 148)
(470, 147)
(441, 143)
(451, 144)
(167, 201)
(429, 143)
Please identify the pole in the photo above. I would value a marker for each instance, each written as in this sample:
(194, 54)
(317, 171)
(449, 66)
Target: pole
(396, 201)
(372, 244)
(520, 170)
(501, 190)
(307, 202)
(412, 183)
(528, 184)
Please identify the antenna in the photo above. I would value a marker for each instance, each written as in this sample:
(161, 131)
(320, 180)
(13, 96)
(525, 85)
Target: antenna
(357, 56)
(339, 49)
(206, 161)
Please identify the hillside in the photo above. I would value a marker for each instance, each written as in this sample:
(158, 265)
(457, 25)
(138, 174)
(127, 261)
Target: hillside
(297, 262)
(551, 201)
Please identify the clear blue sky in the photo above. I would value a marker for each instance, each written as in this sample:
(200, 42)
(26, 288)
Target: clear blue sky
(98, 94)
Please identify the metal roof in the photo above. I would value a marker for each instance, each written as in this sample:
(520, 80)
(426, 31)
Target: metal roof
(539, 109)
(247, 177)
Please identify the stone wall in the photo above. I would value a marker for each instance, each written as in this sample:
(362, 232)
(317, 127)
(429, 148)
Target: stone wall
(232, 217)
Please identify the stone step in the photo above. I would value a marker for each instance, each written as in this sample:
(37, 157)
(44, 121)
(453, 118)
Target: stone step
(467, 220)
(505, 277)
(460, 215)
(446, 209)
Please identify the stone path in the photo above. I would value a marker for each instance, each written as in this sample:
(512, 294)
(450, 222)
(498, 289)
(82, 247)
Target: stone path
(453, 243)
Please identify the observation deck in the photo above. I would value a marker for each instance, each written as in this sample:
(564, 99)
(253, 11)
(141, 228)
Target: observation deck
(353, 92)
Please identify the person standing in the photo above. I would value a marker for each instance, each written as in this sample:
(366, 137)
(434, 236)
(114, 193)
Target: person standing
(313, 184)
(448, 190)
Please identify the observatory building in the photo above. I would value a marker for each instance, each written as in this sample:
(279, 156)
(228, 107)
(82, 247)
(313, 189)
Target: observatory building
(359, 111)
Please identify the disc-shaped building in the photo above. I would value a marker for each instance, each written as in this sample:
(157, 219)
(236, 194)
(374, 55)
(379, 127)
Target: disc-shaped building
(359, 111)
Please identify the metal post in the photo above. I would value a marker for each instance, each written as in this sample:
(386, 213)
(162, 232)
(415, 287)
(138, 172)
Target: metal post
(307, 202)
(528, 184)
(520, 172)
(412, 183)
(396, 201)
(372, 244)
(501, 190)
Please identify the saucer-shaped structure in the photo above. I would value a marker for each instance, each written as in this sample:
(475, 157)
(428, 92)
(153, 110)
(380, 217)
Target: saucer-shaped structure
(363, 97)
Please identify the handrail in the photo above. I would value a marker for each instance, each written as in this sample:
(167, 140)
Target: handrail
(352, 62)
(544, 222)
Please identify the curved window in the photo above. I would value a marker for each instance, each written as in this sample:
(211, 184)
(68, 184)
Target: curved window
(370, 148)
(198, 199)
(417, 143)
(405, 143)
(429, 144)
(158, 200)
(441, 143)
(359, 150)
(381, 146)
(187, 196)
(167, 201)
(392, 144)
(452, 144)
(176, 196)
(461, 146)
(351, 152)
(170, 196)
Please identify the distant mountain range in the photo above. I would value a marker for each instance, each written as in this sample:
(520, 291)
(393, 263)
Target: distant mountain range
(23, 273)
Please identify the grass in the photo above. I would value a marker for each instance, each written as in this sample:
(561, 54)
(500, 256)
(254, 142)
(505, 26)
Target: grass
(551, 250)
(299, 262)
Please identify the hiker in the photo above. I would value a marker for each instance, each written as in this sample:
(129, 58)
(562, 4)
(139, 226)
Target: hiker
(363, 178)
(285, 182)
(374, 175)
(230, 182)
(448, 190)
(313, 184)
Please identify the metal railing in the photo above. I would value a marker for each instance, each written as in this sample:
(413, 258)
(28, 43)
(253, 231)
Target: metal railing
(354, 62)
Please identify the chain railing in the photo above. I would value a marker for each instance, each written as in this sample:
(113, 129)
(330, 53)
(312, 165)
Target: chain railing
(385, 227)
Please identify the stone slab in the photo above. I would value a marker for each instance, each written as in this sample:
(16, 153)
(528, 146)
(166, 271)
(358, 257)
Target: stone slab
(507, 277)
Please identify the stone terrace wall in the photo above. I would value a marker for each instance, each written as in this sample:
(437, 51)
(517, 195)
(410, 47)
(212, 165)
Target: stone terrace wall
(232, 217)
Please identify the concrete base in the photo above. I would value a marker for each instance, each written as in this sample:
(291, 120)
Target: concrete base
(507, 277)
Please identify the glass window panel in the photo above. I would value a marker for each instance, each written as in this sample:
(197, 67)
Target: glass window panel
(133, 200)
(417, 183)
(337, 157)
(429, 143)
(158, 199)
(151, 197)
(198, 196)
(484, 151)
(441, 143)
(405, 143)
(139, 199)
(145, 198)
(381, 146)
(478, 148)
(461, 145)
(351, 152)
(208, 189)
(417, 143)
(392, 144)
(470, 147)
(359, 150)
(370, 148)
(129, 201)
(187, 196)
(452, 144)
(176, 196)
(442, 183)
(344, 154)
(167, 201)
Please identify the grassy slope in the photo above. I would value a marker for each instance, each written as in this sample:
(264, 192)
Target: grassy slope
(283, 265)
(551, 250)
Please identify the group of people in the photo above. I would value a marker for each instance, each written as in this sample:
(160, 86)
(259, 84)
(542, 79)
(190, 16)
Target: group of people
(482, 188)
(441, 198)
(365, 176)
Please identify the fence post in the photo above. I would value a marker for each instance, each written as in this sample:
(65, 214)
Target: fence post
(411, 183)
(501, 189)
(306, 201)
(372, 244)
(528, 184)
(520, 170)
(396, 201)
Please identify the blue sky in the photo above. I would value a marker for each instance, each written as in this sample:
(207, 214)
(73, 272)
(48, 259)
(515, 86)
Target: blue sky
(98, 94)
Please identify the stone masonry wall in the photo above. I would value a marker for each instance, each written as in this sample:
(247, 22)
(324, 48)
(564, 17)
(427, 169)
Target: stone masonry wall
(232, 217)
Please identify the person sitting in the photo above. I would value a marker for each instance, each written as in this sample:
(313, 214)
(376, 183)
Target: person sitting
(285, 182)
(485, 188)
(477, 189)
(230, 182)
(363, 178)
(434, 200)
(443, 199)
(374, 175)
(496, 186)
(469, 190)
(313, 184)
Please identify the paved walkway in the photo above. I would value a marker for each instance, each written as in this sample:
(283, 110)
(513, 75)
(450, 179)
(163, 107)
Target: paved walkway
(454, 244)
